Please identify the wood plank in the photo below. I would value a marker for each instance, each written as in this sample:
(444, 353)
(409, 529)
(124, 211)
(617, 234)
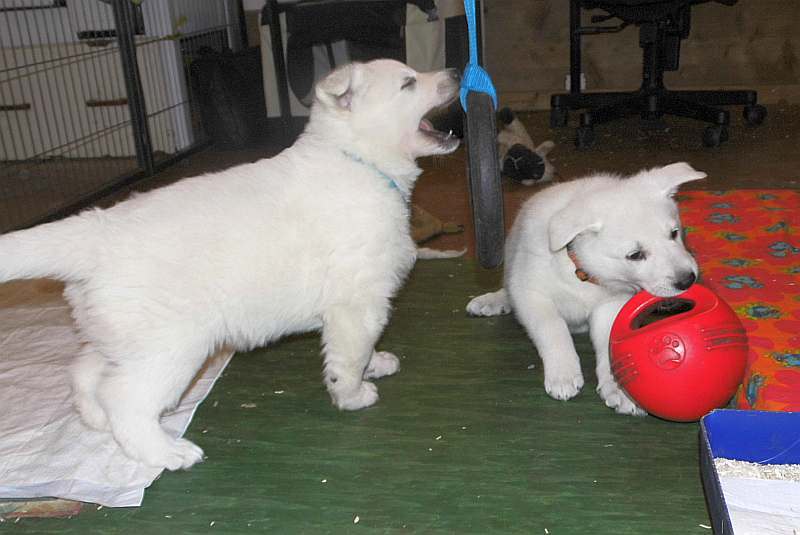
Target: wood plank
(750, 44)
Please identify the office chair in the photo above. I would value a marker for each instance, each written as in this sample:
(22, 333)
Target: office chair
(662, 25)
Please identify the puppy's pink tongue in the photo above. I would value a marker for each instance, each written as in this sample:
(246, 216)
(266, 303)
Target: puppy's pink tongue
(426, 125)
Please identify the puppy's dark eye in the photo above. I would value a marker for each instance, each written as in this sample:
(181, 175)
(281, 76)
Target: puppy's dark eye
(409, 83)
(673, 235)
(636, 256)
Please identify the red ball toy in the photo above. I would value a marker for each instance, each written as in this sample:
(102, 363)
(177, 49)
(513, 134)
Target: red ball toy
(679, 357)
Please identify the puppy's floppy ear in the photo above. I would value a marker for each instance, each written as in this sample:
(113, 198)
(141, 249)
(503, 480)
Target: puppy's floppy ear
(670, 177)
(336, 89)
(568, 222)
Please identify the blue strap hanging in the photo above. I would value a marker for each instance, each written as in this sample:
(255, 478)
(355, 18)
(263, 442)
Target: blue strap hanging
(475, 78)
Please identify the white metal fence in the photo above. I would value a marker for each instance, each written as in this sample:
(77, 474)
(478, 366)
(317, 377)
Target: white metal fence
(94, 93)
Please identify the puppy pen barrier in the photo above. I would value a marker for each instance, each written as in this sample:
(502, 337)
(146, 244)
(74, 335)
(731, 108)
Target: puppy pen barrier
(96, 94)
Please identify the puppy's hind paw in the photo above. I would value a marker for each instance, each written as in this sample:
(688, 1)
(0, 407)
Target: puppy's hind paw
(491, 304)
(365, 395)
(618, 400)
(381, 364)
(563, 388)
(92, 413)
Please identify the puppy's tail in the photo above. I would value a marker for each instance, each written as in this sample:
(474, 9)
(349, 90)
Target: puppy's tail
(59, 250)
(426, 253)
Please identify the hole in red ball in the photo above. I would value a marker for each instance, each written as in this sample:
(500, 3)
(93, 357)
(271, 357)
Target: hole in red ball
(664, 309)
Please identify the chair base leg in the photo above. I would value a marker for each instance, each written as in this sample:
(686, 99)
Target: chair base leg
(604, 107)
(691, 109)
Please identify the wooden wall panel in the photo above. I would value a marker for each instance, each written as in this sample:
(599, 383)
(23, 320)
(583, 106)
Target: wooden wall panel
(754, 44)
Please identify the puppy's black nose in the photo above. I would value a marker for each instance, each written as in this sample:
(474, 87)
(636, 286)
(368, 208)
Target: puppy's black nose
(685, 280)
(453, 74)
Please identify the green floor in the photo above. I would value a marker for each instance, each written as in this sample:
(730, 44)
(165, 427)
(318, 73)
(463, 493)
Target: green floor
(463, 440)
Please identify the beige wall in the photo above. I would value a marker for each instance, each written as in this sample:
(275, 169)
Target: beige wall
(753, 44)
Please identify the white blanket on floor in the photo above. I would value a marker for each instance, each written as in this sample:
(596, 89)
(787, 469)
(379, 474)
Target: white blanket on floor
(45, 449)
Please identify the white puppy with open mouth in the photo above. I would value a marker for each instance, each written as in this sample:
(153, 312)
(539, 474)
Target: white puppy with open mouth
(316, 238)
(576, 253)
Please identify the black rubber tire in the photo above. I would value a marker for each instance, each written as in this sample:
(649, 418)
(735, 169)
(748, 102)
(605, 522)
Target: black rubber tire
(483, 169)
(558, 117)
(754, 114)
(714, 136)
(584, 137)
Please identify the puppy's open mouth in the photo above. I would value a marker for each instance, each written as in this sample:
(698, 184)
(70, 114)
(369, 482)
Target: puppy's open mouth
(446, 140)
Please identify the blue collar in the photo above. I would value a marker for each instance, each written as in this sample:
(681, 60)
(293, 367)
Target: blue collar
(377, 171)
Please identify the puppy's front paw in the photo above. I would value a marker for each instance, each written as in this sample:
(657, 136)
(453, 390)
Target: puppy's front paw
(563, 386)
(365, 394)
(618, 400)
(491, 304)
(381, 364)
(172, 454)
(182, 454)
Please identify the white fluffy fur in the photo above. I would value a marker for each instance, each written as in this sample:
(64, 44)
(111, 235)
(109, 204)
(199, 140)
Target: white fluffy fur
(606, 218)
(313, 239)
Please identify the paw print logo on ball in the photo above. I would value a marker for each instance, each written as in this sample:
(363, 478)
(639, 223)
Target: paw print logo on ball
(667, 351)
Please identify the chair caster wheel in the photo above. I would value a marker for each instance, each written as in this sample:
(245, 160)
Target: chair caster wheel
(584, 137)
(754, 114)
(714, 136)
(558, 117)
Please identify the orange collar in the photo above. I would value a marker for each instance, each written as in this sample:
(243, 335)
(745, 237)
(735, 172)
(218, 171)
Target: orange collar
(581, 273)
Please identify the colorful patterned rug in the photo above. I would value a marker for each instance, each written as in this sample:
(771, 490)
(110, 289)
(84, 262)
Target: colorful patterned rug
(748, 246)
